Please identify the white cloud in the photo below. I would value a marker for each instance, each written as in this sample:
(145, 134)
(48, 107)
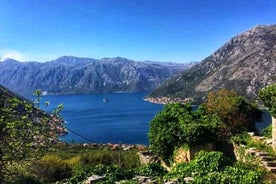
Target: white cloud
(12, 54)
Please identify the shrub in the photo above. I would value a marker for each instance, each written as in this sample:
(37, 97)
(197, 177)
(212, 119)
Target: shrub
(242, 138)
(267, 131)
(180, 124)
(213, 167)
(207, 162)
(26, 180)
(95, 158)
(51, 168)
(152, 170)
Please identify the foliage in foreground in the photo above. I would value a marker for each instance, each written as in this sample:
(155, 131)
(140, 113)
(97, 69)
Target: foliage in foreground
(267, 131)
(179, 124)
(233, 110)
(268, 96)
(223, 115)
(213, 167)
(207, 167)
(25, 132)
(73, 164)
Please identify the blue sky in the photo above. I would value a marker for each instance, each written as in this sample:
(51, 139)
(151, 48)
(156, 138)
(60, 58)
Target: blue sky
(159, 30)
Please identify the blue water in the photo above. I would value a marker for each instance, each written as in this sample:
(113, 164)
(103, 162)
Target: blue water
(125, 118)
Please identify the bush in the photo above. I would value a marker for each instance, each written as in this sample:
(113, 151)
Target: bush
(51, 168)
(180, 124)
(213, 167)
(26, 180)
(97, 157)
(152, 170)
(242, 138)
(267, 132)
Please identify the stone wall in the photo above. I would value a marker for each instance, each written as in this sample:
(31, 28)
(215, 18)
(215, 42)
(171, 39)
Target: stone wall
(187, 154)
(274, 132)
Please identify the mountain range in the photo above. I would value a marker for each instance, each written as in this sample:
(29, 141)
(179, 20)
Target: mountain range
(246, 63)
(75, 75)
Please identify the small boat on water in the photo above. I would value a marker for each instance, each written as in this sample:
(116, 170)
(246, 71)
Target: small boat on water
(105, 100)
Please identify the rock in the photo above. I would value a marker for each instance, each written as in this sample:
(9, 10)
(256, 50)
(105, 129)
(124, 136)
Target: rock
(95, 179)
(144, 180)
(267, 158)
(246, 63)
(269, 163)
(188, 179)
(251, 133)
(261, 154)
(269, 141)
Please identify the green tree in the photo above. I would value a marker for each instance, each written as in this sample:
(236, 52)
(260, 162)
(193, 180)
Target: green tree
(178, 124)
(165, 133)
(24, 131)
(268, 96)
(233, 110)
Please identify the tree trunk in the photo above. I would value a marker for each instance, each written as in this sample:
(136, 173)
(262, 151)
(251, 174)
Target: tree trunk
(273, 132)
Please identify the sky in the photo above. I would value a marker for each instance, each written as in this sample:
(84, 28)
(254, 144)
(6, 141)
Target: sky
(157, 30)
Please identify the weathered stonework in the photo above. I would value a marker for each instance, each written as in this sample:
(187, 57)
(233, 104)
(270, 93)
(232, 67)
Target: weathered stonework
(186, 155)
(274, 132)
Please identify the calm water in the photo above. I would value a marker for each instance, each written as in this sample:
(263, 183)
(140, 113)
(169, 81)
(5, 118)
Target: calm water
(125, 118)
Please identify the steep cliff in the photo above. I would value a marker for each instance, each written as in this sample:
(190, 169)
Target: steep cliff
(246, 63)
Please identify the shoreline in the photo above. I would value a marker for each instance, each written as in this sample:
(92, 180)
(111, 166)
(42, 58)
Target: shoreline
(112, 147)
(166, 100)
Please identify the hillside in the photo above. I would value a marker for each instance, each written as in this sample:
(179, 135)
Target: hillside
(246, 63)
(71, 75)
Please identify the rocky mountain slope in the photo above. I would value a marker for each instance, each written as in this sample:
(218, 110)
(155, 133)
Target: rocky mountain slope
(246, 63)
(70, 75)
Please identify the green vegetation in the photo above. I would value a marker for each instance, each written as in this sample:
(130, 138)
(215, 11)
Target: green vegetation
(28, 154)
(179, 124)
(233, 110)
(213, 167)
(268, 96)
(75, 163)
(25, 132)
(267, 132)
(223, 115)
(245, 140)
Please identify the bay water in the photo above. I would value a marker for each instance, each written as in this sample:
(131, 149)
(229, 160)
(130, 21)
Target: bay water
(105, 118)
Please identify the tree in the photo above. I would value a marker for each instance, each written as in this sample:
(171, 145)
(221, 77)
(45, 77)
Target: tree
(233, 110)
(178, 124)
(24, 131)
(268, 96)
(165, 133)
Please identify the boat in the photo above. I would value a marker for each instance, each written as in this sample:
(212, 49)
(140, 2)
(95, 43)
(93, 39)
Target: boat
(105, 100)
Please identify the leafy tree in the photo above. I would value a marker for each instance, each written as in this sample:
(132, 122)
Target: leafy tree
(233, 110)
(268, 96)
(179, 124)
(24, 131)
(165, 133)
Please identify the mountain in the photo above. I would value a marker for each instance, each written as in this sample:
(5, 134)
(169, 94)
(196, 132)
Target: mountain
(71, 75)
(246, 63)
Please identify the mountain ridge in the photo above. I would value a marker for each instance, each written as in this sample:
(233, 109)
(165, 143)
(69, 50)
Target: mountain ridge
(75, 75)
(246, 63)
